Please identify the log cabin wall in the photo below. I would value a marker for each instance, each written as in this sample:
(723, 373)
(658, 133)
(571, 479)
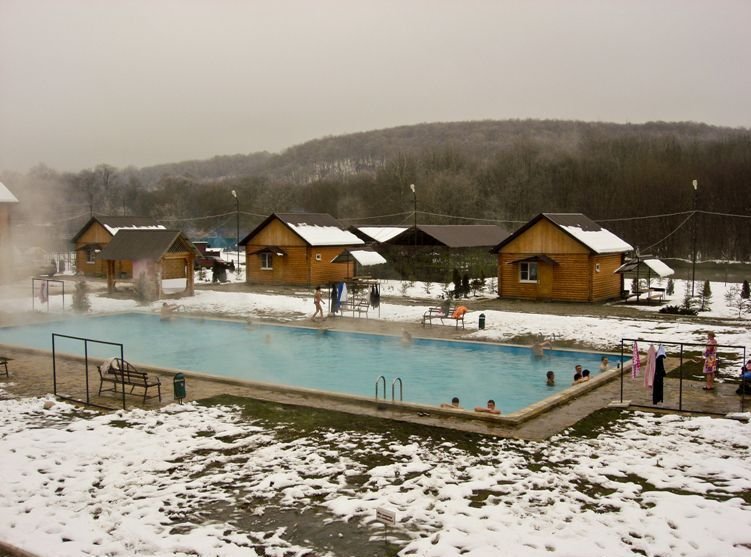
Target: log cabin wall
(574, 278)
(95, 234)
(299, 265)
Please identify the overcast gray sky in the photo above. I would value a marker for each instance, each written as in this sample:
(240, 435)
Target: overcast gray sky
(143, 82)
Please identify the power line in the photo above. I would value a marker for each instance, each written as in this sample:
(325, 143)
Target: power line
(671, 233)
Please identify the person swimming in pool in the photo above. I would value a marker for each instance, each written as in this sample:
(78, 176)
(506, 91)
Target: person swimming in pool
(550, 378)
(489, 409)
(454, 404)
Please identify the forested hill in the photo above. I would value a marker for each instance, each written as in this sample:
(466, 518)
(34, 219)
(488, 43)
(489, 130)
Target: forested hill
(352, 154)
(634, 179)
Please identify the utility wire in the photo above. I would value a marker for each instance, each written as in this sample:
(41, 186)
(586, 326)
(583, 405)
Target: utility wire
(673, 232)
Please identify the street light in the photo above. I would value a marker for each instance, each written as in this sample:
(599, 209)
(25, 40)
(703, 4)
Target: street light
(237, 212)
(414, 194)
(695, 183)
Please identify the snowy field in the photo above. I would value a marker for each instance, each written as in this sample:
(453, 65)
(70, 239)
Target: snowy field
(144, 482)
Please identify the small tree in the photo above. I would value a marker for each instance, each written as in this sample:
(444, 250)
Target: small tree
(734, 299)
(688, 300)
(670, 288)
(745, 291)
(81, 297)
(427, 286)
(705, 298)
(465, 284)
(477, 285)
(457, 280)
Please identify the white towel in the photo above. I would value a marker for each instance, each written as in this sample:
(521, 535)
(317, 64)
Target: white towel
(343, 297)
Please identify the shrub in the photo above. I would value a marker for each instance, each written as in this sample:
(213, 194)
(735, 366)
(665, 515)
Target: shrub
(670, 288)
(705, 298)
(745, 292)
(678, 310)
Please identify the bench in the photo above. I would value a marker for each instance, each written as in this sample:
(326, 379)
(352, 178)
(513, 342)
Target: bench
(442, 314)
(356, 306)
(4, 362)
(120, 372)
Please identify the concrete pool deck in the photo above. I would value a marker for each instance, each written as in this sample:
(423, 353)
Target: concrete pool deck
(30, 374)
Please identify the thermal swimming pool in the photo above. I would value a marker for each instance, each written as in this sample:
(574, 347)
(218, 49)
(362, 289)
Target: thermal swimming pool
(431, 371)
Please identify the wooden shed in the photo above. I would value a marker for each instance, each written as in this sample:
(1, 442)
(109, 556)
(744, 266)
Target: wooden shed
(563, 257)
(158, 255)
(97, 233)
(432, 251)
(298, 249)
(7, 200)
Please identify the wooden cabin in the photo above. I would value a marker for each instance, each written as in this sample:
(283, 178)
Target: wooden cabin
(298, 249)
(563, 257)
(7, 201)
(96, 234)
(158, 255)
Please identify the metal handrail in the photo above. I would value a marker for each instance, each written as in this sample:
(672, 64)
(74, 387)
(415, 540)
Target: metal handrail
(380, 378)
(401, 389)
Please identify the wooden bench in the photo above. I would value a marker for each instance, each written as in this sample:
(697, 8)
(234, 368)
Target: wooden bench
(120, 372)
(442, 314)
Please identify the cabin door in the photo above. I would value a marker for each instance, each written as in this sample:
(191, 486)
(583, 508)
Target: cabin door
(545, 284)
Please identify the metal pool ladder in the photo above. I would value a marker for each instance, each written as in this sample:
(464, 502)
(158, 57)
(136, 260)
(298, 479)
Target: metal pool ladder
(382, 380)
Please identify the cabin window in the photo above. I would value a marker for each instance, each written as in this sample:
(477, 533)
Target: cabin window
(528, 271)
(91, 255)
(266, 262)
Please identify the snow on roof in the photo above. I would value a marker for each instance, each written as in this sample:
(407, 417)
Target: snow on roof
(658, 267)
(6, 196)
(366, 258)
(114, 230)
(599, 241)
(382, 233)
(317, 235)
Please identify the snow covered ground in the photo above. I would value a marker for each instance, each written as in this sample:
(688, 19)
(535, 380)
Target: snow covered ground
(150, 482)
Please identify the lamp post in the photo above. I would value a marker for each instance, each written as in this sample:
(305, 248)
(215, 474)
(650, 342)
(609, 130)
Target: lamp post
(693, 256)
(414, 195)
(237, 220)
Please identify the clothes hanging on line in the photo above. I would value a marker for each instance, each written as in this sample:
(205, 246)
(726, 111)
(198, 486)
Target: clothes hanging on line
(635, 361)
(658, 386)
(649, 371)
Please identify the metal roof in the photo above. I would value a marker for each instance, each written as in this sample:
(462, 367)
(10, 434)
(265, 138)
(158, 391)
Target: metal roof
(316, 229)
(6, 196)
(113, 224)
(135, 245)
(453, 235)
(581, 228)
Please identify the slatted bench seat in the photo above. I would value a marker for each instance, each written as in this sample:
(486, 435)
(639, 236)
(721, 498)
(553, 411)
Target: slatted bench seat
(4, 363)
(442, 314)
(119, 372)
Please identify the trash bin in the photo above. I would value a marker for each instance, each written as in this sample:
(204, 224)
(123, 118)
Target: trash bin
(482, 320)
(178, 382)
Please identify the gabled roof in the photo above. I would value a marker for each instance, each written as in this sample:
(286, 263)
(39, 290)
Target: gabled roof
(365, 257)
(316, 229)
(649, 265)
(132, 245)
(114, 224)
(453, 235)
(6, 196)
(382, 233)
(581, 228)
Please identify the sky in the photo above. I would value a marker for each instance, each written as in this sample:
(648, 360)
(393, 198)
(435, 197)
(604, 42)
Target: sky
(142, 82)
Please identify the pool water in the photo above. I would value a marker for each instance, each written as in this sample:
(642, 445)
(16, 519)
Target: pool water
(432, 371)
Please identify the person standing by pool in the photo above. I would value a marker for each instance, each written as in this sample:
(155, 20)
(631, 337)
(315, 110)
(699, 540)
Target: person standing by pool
(710, 361)
(318, 301)
(538, 348)
(489, 409)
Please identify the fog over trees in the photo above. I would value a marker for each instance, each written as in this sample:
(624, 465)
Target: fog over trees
(464, 172)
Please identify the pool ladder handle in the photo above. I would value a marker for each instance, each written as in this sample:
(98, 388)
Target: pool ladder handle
(382, 379)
